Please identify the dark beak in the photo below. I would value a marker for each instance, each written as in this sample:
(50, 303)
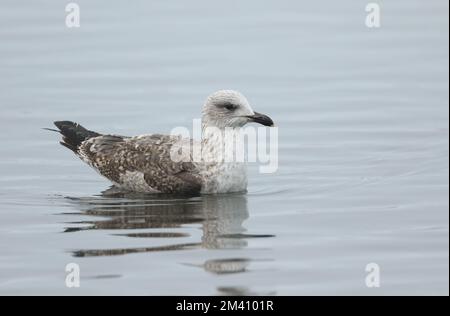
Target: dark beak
(261, 119)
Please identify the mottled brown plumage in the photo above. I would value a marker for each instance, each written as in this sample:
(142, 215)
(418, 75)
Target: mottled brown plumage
(115, 157)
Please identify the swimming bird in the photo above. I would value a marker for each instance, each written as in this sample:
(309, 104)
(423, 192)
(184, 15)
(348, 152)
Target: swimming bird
(144, 163)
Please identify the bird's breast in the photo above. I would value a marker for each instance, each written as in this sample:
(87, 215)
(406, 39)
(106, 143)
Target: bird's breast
(224, 178)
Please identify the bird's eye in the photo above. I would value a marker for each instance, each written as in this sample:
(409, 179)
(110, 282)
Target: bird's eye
(227, 105)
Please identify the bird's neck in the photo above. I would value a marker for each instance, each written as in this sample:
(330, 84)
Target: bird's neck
(220, 144)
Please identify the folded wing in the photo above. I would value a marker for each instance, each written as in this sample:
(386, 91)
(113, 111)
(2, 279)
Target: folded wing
(144, 161)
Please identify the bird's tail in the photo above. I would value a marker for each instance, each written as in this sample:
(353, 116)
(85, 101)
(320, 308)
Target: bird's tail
(73, 134)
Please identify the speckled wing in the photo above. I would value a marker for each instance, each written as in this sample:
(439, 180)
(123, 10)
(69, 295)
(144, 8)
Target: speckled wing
(141, 163)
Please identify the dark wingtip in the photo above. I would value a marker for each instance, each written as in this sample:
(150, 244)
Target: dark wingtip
(73, 134)
(50, 129)
(62, 124)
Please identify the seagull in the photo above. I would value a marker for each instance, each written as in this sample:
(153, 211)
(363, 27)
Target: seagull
(144, 163)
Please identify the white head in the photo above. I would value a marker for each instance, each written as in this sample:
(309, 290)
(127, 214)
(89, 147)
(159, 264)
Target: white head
(228, 108)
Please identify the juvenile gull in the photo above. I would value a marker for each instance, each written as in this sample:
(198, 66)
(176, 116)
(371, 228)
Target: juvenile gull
(144, 163)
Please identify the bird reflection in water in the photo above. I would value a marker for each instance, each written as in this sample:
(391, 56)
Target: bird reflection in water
(221, 219)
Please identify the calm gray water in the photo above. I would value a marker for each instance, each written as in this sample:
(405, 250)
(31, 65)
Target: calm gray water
(363, 131)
